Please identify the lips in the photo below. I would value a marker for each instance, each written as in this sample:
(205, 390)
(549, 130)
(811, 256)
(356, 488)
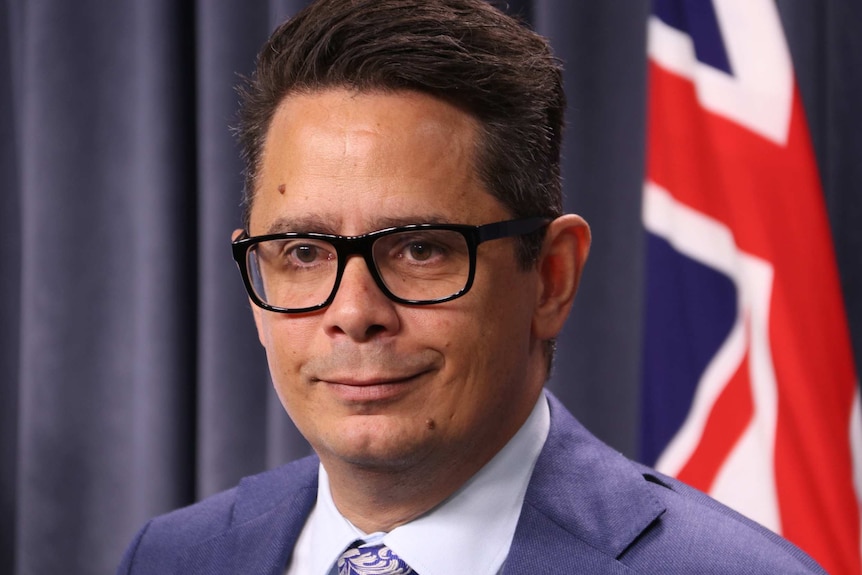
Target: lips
(364, 382)
(370, 372)
(369, 389)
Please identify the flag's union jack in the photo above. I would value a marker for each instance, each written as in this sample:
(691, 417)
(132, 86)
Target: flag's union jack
(750, 392)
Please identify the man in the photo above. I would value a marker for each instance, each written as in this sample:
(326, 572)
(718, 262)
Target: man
(409, 266)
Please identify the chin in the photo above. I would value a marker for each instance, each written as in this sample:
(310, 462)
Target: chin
(376, 446)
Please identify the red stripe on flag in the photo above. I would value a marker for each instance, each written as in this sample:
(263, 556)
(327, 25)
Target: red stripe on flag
(770, 197)
(726, 423)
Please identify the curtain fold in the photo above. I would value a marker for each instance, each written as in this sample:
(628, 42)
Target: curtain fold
(106, 331)
(131, 378)
(231, 367)
(603, 49)
(10, 287)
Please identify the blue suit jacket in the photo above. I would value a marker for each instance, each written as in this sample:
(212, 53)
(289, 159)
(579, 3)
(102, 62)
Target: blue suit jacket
(587, 510)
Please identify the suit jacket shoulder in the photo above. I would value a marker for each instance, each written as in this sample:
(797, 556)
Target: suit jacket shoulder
(251, 528)
(588, 509)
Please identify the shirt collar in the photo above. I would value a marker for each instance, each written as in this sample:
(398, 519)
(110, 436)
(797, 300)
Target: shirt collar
(331, 533)
(470, 533)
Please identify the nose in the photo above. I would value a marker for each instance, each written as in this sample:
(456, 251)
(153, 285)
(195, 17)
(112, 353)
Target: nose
(360, 310)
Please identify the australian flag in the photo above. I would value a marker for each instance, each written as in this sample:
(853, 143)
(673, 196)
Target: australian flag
(749, 391)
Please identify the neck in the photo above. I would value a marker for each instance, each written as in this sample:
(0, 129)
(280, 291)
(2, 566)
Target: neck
(384, 495)
(381, 500)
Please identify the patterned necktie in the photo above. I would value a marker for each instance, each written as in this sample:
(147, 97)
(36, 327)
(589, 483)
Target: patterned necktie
(372, 560)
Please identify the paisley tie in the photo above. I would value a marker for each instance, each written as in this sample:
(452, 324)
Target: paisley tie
(372, 560)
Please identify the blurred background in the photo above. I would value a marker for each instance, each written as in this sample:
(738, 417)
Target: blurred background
(131, 378)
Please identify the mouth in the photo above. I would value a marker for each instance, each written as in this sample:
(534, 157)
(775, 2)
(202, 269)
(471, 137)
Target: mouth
(353, 389)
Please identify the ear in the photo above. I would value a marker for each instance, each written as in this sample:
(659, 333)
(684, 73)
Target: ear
(564, 253)
(255, 310)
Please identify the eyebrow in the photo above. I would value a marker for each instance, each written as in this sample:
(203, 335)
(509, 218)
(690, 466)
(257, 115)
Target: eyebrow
(393, 222)
(303, 224)
(313, 223)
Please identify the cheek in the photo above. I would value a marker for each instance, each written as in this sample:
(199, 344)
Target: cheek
(469, 336)
(504, 328)
(287, 343)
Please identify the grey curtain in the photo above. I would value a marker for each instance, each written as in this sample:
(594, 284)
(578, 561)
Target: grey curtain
(131, 380)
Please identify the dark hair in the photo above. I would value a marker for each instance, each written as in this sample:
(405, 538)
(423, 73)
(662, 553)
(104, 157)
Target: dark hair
(463, 51)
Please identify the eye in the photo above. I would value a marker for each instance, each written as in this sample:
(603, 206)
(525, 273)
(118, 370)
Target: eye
(305, 253)
(422, 251)
(430, 250)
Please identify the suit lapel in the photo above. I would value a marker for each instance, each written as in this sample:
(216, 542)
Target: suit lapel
(269, 513)
(584, 506)
(542, 546)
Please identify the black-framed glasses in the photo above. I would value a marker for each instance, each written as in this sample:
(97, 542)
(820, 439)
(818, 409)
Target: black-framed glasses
(418, 264)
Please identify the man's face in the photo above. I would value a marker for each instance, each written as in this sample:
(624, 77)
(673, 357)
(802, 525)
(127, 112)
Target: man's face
(367, 381)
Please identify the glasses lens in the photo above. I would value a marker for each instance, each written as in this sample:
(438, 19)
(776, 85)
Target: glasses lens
(293, 273)
(423, 265)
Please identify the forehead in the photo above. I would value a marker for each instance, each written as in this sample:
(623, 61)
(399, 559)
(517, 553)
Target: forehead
(350, 160)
